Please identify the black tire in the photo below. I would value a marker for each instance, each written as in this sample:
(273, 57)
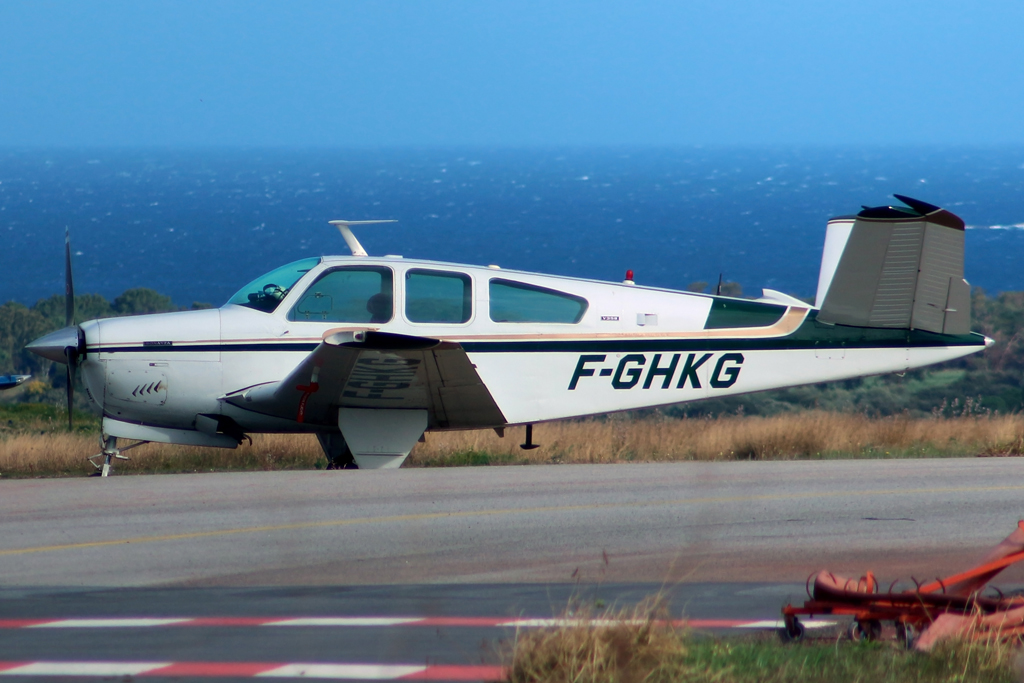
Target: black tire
(345, 461)
(864, 631)
(792, 631)
(906, 635)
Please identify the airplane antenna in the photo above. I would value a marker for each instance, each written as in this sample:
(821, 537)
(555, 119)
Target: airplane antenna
(718, 292)
(350, 239)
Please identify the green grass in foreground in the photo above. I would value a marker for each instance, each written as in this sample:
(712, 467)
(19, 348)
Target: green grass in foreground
(766, 660)
(633, 653)
(642, 644)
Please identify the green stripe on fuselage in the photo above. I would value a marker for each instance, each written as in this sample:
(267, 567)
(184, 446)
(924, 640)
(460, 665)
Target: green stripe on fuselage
(731, 313)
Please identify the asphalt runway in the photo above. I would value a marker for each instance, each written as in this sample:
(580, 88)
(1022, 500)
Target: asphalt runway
(454, 556)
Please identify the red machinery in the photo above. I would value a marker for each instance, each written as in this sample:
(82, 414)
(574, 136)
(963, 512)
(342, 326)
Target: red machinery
(943, 608)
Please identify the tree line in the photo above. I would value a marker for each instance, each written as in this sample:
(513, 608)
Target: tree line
(20, 324)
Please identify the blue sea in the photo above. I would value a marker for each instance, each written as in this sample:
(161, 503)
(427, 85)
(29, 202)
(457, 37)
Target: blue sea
(198, 224)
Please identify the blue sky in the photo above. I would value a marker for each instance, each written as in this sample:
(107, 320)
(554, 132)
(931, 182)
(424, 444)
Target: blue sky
(510, 73)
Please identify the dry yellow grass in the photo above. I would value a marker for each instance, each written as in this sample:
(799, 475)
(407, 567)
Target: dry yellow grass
(56, 454)
(638, 645)
(653, 439)
(815, 434)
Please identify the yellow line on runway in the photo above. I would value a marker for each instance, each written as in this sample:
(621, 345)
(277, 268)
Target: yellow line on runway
(509, 511)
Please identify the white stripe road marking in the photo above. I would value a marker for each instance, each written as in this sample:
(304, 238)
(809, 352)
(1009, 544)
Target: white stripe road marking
(781, 624)
(346, 671)
(560, 622)
(108, 623)
(84, 668)
(380, 622)
(346, 621)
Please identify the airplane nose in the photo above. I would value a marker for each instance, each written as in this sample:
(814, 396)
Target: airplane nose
(51, 346)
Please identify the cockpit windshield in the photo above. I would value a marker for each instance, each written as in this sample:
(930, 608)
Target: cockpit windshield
(267, 291)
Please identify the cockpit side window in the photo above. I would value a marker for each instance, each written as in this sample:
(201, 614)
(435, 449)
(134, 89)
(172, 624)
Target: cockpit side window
(266, 292)
(518, 302)
(351, 294)
(437, 296)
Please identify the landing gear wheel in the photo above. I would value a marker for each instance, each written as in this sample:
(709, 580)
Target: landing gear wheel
(337, 452)
(348, 465)
(906, 635)
(792, 631)
(868, 630)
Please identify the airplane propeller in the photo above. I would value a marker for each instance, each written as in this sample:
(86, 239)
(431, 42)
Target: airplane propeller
(71, 353)
(65, 345)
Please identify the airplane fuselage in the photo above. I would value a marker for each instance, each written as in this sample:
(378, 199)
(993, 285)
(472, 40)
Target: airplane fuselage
(543, 347)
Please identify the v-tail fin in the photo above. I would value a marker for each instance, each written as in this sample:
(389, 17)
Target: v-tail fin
(896, 267)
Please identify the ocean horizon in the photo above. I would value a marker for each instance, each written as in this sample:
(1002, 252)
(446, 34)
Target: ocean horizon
(197, 224)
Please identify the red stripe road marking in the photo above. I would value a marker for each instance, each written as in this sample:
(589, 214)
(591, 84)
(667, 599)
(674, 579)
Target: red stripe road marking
(22, 623)
(211, 669)
(5, 666)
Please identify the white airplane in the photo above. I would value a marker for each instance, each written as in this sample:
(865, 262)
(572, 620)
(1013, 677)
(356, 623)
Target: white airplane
(368, 353)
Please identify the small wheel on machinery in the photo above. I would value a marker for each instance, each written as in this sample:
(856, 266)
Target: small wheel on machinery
(874, 629)
(906, 635)
(792, 631)
(867, 630)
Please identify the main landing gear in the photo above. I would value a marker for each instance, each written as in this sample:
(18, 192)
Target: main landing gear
(110, 452)
(336, 450)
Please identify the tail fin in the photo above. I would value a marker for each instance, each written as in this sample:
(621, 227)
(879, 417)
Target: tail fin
(896, 267)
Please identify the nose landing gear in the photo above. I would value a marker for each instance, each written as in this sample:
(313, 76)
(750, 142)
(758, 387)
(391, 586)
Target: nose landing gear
(110, 452)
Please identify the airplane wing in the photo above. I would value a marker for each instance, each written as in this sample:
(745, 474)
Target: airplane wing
(358, 368)
(11, 381)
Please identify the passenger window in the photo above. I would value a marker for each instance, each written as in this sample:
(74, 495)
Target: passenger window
(434, 296)
(516, 302)
(360, 294)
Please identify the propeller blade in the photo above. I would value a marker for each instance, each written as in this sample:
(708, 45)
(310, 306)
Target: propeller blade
(72, 357)
(69, 285)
